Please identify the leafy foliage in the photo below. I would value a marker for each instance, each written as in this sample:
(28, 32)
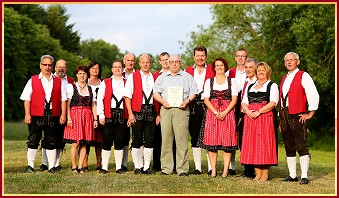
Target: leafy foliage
(268, 32)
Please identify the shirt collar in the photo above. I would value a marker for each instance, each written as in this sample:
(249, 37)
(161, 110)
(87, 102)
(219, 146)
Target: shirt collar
(59, 77)
(143, 74)
(113, 78)
(241, 71)
(293, 72)
(124, 71)
(42, 76)
(195, 66)
(170, 74)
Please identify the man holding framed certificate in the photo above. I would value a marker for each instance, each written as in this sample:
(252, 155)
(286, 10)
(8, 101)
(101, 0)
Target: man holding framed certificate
(175, 89)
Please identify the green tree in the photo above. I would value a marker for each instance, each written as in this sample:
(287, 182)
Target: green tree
(24, 43)
(57, 24)
(102, 52)
(34, 11)
(268, 32)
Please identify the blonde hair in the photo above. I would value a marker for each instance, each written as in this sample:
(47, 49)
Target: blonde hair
(266, 67)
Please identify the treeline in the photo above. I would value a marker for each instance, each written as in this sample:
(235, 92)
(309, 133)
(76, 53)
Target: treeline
(266, 31)
(31, 31)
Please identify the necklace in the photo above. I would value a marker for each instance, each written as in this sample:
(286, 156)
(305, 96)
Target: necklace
(262, 83)
(83, 86)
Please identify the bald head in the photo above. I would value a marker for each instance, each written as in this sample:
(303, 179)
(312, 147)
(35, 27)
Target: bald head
(61, 68)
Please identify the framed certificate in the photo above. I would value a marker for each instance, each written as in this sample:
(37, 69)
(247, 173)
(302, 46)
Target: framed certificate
(175, 96)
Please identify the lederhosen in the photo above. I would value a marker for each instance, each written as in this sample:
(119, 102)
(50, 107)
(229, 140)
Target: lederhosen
(47, 123)
(294, 133)
(115, 127)
(143, 129)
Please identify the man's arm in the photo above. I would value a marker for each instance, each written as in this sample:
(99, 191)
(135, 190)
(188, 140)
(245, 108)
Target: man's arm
(27, 106)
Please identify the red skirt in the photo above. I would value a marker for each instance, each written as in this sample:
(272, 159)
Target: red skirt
(259, 144)
(220, 134)
(83, 128)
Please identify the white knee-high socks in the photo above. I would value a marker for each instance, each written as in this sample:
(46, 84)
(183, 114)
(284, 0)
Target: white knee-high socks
(31, 154)
(304, 164)
(148, 153)
(118, 154)
(125, 156)
(136, 157)
(292, 166)
(197, 157)
(44, 157)
(105, 155)
(51, 156)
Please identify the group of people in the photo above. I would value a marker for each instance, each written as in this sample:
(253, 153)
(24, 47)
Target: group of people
(218, 107)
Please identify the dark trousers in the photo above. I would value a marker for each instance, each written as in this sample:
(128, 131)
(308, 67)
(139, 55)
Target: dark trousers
(294, 135)
(195, 122)
(49, 126)
(127, 136)
(114, 132)
(60, 136)
(143, 134)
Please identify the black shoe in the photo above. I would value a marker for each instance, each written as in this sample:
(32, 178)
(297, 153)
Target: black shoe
(120, 171)
(58, 168)
(183, 174)
(52, 170)
(137, 171)
(290, 179)
(98, 169)
(75, 170)
(29, 169)
(103, 171)
(148, 171)
(209, 172)
(43, 167)
(162, 173)
(124, 168)
(196, 172)
(304, 181)
(232, 172)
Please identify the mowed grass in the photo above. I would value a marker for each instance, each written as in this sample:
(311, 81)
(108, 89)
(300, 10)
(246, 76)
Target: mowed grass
(322, 173)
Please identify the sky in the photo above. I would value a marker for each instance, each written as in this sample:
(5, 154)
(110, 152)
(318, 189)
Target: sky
(139, 28)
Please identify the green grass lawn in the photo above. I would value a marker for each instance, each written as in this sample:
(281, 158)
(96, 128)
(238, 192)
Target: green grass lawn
(321, 173)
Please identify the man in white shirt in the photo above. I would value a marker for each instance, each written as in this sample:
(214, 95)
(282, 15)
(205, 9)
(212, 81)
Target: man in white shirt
(45, 109)
(297, 93)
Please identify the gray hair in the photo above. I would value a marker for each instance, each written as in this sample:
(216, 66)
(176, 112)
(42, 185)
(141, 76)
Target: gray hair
(46, 56)
(295, 54)
(252, 59)
(129, 54)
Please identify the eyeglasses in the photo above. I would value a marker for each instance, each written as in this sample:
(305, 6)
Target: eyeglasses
(172, 62)
(240, 56)
(94, 68)
(290, 60)
(60, 67)
(49, 65)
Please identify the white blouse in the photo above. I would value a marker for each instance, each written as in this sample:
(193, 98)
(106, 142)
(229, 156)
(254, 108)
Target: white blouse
(70, 91)
(274, 94)
(216, 86)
